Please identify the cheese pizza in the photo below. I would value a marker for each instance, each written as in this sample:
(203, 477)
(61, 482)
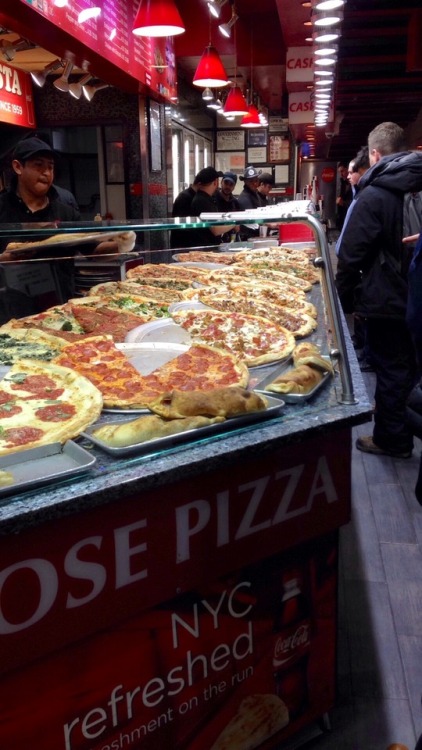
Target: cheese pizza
(158, 294)
(267, 274)
(122, 386)
(43, 403)
(253, 339)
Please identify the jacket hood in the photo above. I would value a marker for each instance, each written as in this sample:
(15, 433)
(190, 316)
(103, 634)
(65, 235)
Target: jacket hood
(400, 172)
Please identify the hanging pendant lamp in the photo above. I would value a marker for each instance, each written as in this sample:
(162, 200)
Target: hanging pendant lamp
(235, 103)
(158, 18)
(210, 71)
(251, 120)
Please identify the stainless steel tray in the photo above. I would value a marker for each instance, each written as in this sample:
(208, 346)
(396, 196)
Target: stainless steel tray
(45, 464)
(274, 408)
(290, 398)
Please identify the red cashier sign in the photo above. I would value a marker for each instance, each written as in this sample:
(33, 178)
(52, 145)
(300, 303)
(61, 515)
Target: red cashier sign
(16, 100)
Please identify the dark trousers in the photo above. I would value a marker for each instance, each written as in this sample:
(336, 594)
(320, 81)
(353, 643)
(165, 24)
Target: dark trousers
(393, 360)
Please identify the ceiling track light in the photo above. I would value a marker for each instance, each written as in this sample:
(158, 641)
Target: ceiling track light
(328, 49)
(9, 49)
(62, 83)
(215, 6)
(156, 18)
(225, 28)
(75, 89)
(328, 5)
(90, 91)
(39, 77)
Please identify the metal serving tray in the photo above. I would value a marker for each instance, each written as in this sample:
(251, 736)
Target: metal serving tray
(45, 464)
(274, 408)
(289, 398)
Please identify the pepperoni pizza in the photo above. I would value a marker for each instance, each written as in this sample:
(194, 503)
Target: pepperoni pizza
(40, 403)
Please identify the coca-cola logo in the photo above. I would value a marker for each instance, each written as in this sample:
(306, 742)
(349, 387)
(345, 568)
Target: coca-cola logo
(288, 647)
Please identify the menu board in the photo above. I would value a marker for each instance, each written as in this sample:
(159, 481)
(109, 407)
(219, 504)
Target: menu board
(150, 60)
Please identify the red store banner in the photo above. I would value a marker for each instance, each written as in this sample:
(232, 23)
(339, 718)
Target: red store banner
(109, 34)
(179, 618)
(16, 99)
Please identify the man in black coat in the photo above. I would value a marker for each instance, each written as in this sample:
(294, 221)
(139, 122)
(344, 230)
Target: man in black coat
(372, 267)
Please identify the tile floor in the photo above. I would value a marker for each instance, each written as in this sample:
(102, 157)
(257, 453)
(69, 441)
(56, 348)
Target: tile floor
(379, 671)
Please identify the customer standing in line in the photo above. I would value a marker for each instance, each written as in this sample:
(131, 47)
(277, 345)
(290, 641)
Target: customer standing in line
(372, 247)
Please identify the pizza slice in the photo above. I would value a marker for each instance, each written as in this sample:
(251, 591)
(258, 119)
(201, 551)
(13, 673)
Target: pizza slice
(122, 386)
(144, 308)
(42, 403)
(298, 323)
(158, 294)
(28, 343)
(247, 272)
(257, 719)
(94, 318)
(253, 339)
(172, 270)
(58, 318)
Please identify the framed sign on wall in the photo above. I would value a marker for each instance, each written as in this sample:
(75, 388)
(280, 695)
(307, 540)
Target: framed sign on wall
(230, 140)
(278, 148)
(257, 155)
(257, 137)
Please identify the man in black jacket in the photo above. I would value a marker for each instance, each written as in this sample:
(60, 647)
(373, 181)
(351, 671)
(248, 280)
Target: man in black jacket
(249, 198)
(33, 199)
(373, 267)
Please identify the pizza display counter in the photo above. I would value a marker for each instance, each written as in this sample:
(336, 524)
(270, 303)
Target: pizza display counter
(183, 596)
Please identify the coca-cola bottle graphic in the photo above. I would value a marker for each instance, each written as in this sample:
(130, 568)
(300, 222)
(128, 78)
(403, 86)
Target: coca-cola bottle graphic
(292, 628)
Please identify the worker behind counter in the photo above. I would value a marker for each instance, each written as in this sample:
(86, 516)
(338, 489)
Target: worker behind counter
(205, 202)
(32, 199)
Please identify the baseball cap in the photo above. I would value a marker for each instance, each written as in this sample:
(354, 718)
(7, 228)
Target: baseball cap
(230, 176)
(29, 147)
(250, 173)
(266, 178)
(207, 175)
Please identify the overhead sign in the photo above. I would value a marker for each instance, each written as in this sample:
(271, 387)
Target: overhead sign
(299, 64)
(301, 108)
(149, 60)
(16, 99)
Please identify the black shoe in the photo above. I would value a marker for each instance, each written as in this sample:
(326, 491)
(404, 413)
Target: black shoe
(367, 445)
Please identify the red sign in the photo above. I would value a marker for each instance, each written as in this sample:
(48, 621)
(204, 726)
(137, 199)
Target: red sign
(16, 100)
(328, 174)
(154, 618)
(151, 61)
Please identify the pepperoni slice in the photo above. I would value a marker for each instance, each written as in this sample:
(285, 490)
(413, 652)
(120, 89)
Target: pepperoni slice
(9, 409)
(56, 412)
(40, 386)
(5, 397)
(22, 435)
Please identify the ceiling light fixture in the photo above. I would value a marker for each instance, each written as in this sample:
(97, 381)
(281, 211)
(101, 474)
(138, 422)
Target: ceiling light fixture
(75, 89)
(210, 71)
(62, 83)
(9, 49)
(328, 4)
(226, 28)
(327, 50)
(236, 103)
(90, 91)
(39, 77)
(325, 36)
(215, 6)
(157, 18)
(60, 3)
(251, 119)
(325, 61)
(207, 95)
(325, 19)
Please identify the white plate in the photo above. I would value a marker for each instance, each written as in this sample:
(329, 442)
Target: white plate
(188, 305)
(159, 331)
